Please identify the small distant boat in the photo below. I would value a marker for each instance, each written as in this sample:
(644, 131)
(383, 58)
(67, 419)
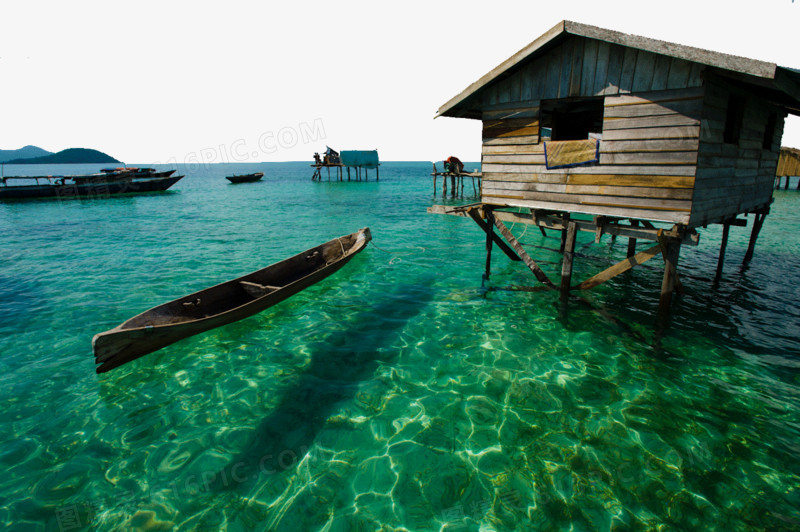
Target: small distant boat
(247, 178)
(84, 186)
(224, 303)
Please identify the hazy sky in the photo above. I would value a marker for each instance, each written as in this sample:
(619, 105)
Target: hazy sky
(180, 81)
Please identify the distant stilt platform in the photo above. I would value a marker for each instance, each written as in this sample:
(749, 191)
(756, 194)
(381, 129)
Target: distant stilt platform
(457, 182)
(357, 160)
(339, 169)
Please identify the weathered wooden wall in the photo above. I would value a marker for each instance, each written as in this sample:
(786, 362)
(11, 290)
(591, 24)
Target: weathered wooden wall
(788, 162)
(732, 178)
(662, 154)
(651, 128)
(580, 67)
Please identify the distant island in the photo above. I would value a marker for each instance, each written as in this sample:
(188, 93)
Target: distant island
(68, 156)
(27, 152)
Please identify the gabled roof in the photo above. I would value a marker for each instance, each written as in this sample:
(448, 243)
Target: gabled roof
(761, 73)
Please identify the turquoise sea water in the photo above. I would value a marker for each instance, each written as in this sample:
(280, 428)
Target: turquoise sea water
(398, 394)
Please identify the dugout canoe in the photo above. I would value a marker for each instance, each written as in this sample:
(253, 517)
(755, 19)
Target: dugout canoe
(224, 303)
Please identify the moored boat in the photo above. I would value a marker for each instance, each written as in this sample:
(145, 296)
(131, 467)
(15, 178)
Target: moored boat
(246, 178)
(223, 303)
(137, 172)
(85, 186)
(166, 173)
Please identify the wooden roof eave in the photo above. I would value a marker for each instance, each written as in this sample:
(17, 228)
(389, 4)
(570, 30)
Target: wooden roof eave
(512, 61)
(783, 91)
(734, 63)
(788, 82)
(458, 105)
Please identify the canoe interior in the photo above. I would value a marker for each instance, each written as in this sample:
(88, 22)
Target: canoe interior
(233, 294)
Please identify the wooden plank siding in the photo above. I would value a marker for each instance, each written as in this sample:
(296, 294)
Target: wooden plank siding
(734, 178)
(580, 67)
(662, 155)
(646, 168)
(789, 162)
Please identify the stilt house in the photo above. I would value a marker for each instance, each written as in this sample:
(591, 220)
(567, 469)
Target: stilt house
(588, 120)
(788, 165)
(630, 131)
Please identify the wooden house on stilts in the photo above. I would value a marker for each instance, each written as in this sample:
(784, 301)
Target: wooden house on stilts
(650, 139)
(788, 166)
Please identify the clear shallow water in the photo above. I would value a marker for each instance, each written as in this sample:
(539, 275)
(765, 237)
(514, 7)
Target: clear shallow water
(397, 394)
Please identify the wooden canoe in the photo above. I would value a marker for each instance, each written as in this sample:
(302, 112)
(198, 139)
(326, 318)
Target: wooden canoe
(247, 178)
(224, 303)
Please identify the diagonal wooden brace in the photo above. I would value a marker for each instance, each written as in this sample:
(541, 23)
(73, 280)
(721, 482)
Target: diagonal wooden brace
(620, 267)
(474, 214)
(529, 262)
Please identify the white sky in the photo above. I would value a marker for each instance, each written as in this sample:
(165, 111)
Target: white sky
(180, 81)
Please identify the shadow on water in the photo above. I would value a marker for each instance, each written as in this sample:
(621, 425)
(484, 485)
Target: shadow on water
(338, 365)
(19, 296)
(735, 312)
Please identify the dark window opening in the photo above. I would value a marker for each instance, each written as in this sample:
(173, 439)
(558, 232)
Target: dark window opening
(769, 131)
(571, 120)
(733, 120)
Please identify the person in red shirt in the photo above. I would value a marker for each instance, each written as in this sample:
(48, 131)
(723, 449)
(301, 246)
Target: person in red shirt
(454, 165)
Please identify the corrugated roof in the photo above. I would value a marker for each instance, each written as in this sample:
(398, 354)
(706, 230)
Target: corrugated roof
(762, 70)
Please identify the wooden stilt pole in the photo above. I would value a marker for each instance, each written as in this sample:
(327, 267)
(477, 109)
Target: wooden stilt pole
(434, 179)
(787, 183)
(348, 173)
(565, 221)
(725, 229)
(489, 237)
(489, 230)
(377, 174)
(569, 252)
(757, 223)
(673, 249)
(632, 241)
